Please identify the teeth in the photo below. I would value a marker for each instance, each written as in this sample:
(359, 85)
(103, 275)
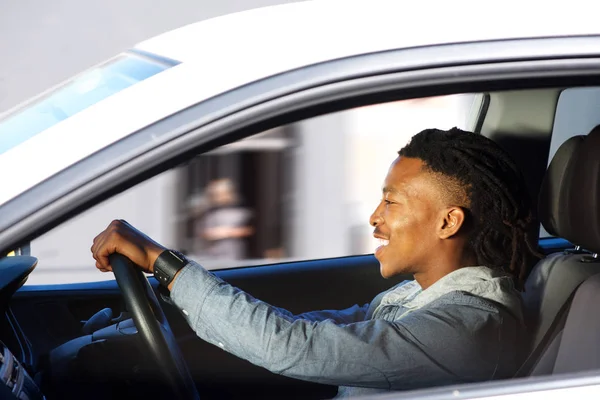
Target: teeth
(384, 242)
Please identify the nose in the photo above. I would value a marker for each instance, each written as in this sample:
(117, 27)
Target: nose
(376, 219)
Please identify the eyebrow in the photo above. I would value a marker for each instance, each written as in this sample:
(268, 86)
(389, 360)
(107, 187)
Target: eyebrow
(389, 189)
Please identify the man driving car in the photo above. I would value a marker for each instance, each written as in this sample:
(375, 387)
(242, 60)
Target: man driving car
(454, 213)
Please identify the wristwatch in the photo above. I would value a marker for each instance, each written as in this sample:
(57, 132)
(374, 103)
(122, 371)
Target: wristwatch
(167, 265)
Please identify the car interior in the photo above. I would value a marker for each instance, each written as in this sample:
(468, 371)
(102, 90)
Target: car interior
(78, 340)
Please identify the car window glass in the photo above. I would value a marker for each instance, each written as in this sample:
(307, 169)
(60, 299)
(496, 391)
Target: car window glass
(297, 192)
(82, 92)
(576, 114)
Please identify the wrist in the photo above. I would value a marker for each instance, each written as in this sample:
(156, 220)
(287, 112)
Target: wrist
(170, 287)
(153, 253)
(167, 266)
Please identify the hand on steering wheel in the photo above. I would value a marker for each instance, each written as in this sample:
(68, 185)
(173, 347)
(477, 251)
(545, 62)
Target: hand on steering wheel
(120, 237)
(118, 249)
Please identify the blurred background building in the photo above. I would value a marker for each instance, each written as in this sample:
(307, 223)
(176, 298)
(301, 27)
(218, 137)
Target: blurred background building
(300, 191)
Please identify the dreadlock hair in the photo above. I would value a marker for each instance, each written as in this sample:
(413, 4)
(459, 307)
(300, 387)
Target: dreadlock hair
(498, 208)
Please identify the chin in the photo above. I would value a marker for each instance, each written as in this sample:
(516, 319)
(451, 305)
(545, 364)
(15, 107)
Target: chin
(389, 271)
(385, 272)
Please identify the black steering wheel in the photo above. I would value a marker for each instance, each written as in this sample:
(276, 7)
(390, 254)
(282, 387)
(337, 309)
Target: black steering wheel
(153, 327)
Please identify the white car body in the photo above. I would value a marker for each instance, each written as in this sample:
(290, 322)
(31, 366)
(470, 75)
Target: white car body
(223, 53)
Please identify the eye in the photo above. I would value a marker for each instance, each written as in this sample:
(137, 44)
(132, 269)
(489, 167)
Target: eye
(388, 201)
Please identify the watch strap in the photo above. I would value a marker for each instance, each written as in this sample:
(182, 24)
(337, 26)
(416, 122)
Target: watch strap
(167, 265)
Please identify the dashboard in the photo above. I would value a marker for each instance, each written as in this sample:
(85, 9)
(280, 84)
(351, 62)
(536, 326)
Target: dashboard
(64, 356)
(15, 381)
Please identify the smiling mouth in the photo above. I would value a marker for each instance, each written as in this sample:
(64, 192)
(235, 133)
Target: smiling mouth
(384, 242)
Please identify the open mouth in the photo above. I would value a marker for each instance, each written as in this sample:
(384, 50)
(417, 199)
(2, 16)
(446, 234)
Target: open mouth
(382, 245)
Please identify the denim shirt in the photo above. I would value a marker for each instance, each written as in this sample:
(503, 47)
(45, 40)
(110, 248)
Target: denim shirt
(466, 327)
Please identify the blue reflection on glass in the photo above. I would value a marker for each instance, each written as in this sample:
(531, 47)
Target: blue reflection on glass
(77, 95)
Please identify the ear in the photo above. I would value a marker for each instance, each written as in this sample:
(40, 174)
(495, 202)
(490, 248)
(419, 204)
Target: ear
(453, 218)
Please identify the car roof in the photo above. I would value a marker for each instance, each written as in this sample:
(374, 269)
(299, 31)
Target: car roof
(329, 29)
(223, 53)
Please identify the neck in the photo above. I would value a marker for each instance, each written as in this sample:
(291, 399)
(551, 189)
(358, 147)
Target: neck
(442, 265)
(426, 279)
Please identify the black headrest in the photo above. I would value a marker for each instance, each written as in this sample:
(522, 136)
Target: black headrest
(553, 197)
(583, 195)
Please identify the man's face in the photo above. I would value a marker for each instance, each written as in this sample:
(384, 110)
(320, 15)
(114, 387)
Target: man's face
(220, 192)
(407, 218)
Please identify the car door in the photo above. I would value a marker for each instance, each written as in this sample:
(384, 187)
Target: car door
(295, 285)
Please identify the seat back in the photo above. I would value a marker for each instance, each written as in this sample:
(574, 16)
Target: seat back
(549, 274)
(578, 347)
(556, 295)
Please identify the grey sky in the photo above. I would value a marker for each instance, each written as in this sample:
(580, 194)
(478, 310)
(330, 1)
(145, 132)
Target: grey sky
(43, 43)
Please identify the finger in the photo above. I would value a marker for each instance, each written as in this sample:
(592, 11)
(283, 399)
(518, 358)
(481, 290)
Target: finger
(103, 269)
(103, 254)
(100, 267)
(93, 248)
(95, 245)
(102, 249)
(97, 241)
